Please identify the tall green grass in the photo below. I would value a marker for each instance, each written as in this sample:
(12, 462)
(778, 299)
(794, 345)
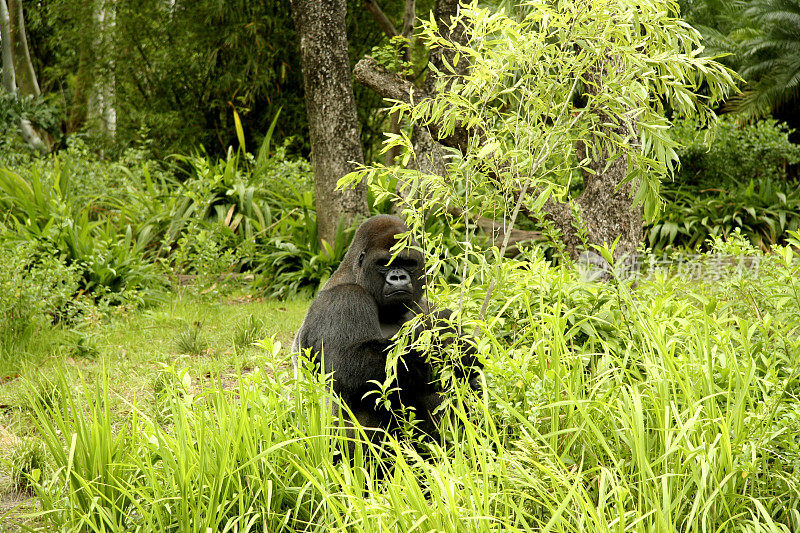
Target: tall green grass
(669, 407)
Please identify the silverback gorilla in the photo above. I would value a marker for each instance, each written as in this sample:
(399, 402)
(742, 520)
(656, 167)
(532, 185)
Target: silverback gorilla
(364, 303)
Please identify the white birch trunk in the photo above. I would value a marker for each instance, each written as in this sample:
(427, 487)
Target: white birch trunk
(9, 79)
(26, 77)
(102, 110)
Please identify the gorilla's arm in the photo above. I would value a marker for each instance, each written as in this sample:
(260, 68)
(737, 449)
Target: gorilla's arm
(343, 320)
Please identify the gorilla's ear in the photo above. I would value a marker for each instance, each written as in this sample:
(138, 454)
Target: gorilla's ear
(361, 257)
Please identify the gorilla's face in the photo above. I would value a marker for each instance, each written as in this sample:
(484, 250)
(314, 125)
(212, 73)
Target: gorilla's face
(393, 283)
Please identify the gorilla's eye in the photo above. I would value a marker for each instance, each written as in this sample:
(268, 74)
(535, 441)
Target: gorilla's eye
(408, 264)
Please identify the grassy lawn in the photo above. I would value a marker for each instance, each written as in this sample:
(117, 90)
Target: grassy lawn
(209, 337)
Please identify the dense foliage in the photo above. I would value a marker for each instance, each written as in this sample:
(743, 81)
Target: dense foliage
(175, 81)
(125, 226)
(563, 90)
(122, 225)
(759, 39)
(49, 211)
(733, 153)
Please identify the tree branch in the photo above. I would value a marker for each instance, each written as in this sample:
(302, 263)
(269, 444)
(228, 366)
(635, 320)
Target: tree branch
(385, 82)
(497, 231)
(392, 87)
(380, 17)
(409, 14)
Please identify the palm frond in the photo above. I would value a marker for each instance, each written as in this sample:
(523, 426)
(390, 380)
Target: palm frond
(771, 58)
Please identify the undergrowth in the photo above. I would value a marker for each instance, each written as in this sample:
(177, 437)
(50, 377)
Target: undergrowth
(671, 405)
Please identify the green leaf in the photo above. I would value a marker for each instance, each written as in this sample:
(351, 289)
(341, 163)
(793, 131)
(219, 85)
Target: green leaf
(263, 151)
(239, 131)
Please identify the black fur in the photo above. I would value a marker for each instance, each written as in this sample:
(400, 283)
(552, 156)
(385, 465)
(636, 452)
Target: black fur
(355, 315)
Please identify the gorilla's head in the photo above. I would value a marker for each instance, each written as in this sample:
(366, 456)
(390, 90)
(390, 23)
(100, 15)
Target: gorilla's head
(396, 284)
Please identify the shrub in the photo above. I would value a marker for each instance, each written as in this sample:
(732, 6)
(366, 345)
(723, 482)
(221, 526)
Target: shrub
(736, 178)
(223, 192)
(35, 290)
(733, 154)
(209, 250)
(229, 207)
(44, 212)
(296, 261)
(764, 211)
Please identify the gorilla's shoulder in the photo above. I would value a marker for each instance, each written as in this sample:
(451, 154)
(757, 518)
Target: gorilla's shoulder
(345, 298)
(344, 313)
(344, 291)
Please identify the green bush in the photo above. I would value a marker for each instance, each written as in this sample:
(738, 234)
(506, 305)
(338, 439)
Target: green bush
(296, 261)
(733, 154)
(35, 290)
(223, 192)
(736, 178)
(40, 111)
(45, 212)
(233, 209)
(114, 219)
(765, 211)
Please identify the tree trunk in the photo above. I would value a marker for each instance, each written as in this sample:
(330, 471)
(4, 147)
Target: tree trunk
(80, 100)
(9, 78)
(101, 110)
(26, 76)
(606, 209)
(93, 103)
(331, 108)
(407, 31)
(428, 151)
(444, 13)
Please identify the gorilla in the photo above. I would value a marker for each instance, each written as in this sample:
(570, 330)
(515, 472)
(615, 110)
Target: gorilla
(361, 307)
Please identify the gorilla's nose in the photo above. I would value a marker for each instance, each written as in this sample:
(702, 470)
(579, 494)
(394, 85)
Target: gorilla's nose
(398, 277)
